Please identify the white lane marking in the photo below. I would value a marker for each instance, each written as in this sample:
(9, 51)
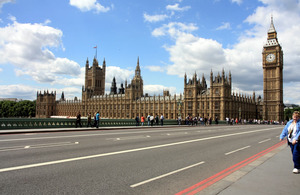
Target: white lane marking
(129, 137)
(178, 133)
(37, 146)
(165, 175)
(264, 141)
(101, 134)
(237, 150)
(126, 151)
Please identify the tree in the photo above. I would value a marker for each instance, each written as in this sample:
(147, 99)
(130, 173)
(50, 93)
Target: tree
(288, 113)
(24, 108)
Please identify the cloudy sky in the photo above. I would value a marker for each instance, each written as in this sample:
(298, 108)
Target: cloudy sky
(45, 44)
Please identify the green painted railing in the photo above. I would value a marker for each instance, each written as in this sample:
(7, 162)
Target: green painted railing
(26, 123)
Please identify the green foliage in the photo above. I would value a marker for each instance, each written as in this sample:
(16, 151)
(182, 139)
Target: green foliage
(289, 112)
(24, 108)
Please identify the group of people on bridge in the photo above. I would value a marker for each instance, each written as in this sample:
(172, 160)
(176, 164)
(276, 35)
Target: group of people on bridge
(89, 120)
(151, 120)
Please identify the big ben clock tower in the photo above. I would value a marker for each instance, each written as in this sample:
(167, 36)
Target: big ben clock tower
(272, 75)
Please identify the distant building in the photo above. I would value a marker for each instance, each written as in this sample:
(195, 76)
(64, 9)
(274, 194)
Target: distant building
(11, 99)
(197, 99)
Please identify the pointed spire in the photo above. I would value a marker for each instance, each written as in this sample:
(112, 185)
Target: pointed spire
(104, 63)
(87, 64)
(137, 69)
(272, 27)
(95, 62)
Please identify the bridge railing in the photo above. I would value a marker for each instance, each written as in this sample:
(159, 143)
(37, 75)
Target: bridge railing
(33, 123)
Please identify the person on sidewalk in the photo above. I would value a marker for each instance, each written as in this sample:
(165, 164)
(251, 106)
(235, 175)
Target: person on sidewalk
(162, 120)
(97, 120)
(148, 119)
(156, 120)
(137, 120)
(142, 120)
(89, 120)
(292, 132)
(78, 119)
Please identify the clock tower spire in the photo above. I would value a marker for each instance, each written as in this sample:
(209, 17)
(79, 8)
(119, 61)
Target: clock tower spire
(272, 77)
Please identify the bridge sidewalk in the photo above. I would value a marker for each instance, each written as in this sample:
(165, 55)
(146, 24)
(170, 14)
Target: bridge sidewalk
(273, 176)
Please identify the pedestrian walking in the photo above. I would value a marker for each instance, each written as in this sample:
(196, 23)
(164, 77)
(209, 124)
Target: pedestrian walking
(137, 120)
(156, 120)
(151, 120)
(162, 120)
(179, 120)
(202, 120)
(148, 119)
(89, 120)
(209, 121)
(142, 120)
(97, 120)
(292, 132)
(78, 120)
(216, 120)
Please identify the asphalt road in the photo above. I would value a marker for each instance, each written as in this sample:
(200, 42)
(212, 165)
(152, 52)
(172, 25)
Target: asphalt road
(132, 161)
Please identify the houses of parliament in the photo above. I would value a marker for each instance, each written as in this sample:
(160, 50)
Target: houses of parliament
(198, 99)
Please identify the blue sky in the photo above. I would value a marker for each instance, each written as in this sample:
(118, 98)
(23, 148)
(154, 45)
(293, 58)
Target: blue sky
(45, 44)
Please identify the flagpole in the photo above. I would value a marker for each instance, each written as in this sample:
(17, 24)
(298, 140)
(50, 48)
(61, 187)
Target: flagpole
(96, 51)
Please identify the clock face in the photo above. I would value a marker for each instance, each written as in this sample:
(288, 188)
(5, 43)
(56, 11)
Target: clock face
(270, 57)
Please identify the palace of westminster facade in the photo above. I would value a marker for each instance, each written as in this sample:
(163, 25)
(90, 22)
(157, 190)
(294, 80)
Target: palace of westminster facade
(197, 100)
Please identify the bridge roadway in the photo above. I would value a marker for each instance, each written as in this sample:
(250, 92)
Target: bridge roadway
(160, 160)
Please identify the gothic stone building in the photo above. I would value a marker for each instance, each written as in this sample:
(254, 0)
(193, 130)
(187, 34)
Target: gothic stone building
(197, 99)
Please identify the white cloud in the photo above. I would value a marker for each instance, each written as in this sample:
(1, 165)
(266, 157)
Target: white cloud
(174, 29)
(225, 25)
(69, 92)
(1, 69)
(18, 91)
(120, 74)
(12, 18)
(88, 5)
(27, 47)
(292, 92)
(176, 7)
(190, 54)
(155, 18)
(158, 89)
(2, 2)
(239, 2)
